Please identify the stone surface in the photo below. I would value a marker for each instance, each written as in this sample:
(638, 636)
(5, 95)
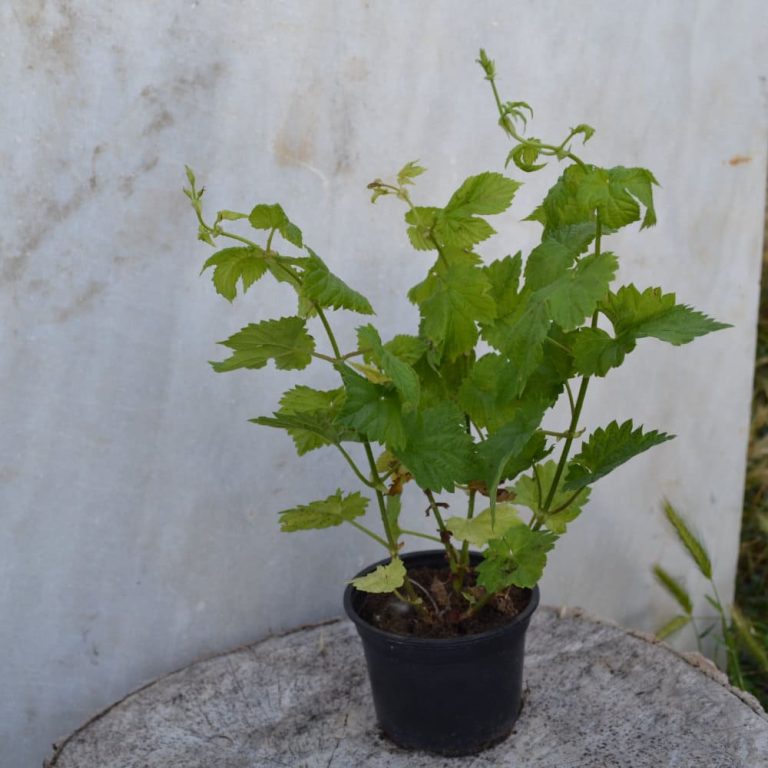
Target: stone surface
(597, 697)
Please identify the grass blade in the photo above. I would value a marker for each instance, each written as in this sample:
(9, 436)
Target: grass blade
(692, 544)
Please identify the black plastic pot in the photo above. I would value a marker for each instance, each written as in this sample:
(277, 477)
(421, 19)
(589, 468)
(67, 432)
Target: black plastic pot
(453, 696)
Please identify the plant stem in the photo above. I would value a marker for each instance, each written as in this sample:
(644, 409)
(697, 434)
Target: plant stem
(470, 514)
(420, 535)
(360, 476)
(444, 532)
(369, 532)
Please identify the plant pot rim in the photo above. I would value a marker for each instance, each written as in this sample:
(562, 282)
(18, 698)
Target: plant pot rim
(442, 642)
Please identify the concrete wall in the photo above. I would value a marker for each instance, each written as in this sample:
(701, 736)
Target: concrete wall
(138, 505)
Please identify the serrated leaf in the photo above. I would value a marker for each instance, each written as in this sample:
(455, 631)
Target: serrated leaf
(453, 298)
(504, 277)
(408, 348)
(232, 264)
(639, 183)
(689, 540)
(480, 529)
(485, 194)
(606, 449)
(674, 588)
(518, 558)
(324, 288)
(574, 296)
(672, 626)
(285, 341)
(385, 578)
(372, 409)
(309, 417)
(533, 452)
(334, 510)
(409, 172)
(494, 454)
(636, 315)
(595, 352)
(453, 230)
(527, 493)
(547, 262)
(520, 334)
(292, 234)
(437, 448)
(268, 217)
(422, 222)
(489, 394)
(399, 372)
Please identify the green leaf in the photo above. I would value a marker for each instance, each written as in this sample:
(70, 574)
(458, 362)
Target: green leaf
(285, 341)
(636, 315)
(386, 578)
(520, 335)
(233, 264)
(533, 452)
(309, 417)
(292, 234)
(410, 349)
(595, 352)
(615, 193)
(327, 290)
(437, 448)
(453, 230)
(504, 277)
(372, 409)
(480, 529)
(494, 454)
(334, 510)
(392, 513)
(453, 298)
(422, 222)
(547, 262)
(557, 519)
(672, 626)
(268, 217)
(518, 558)
(691, 542)
(606, 449)
(489, 394)
(400, 373)
(674, 588)
(484, 194)
(575, 295)
(409, 172)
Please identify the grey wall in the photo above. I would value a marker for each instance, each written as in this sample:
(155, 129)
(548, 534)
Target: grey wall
(138, 505)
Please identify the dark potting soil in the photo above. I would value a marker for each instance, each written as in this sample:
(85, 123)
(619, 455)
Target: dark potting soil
(446, 611)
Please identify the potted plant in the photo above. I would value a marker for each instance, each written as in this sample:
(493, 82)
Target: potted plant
(458, 403)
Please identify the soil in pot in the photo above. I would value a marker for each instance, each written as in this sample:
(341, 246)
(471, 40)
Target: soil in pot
(446, 615)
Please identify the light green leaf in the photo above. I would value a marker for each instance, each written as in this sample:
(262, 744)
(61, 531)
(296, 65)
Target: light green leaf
(639, 183)
(309, 417)
(372, 409)
(672, 626)
(437, 448)
(285, 341)
(595, 352)
(518, 559)
(504, 277)
(410, 349)
(454, 297)
(268, 217)
(689, 540)
(606, 449)
(233, 264)
(453, 230)
(561, 511)
(520, 335)
(386, 578)
(409, 172)
(489, 394)
(547, 262)
(636, 315)
(334, 510)
(484, 194)
(479, 530)
(575, 295)
(674, 588)
(327, 290)
(399, 372)
(421, 230)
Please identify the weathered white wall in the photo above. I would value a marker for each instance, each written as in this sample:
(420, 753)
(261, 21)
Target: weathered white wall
(138, 505)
